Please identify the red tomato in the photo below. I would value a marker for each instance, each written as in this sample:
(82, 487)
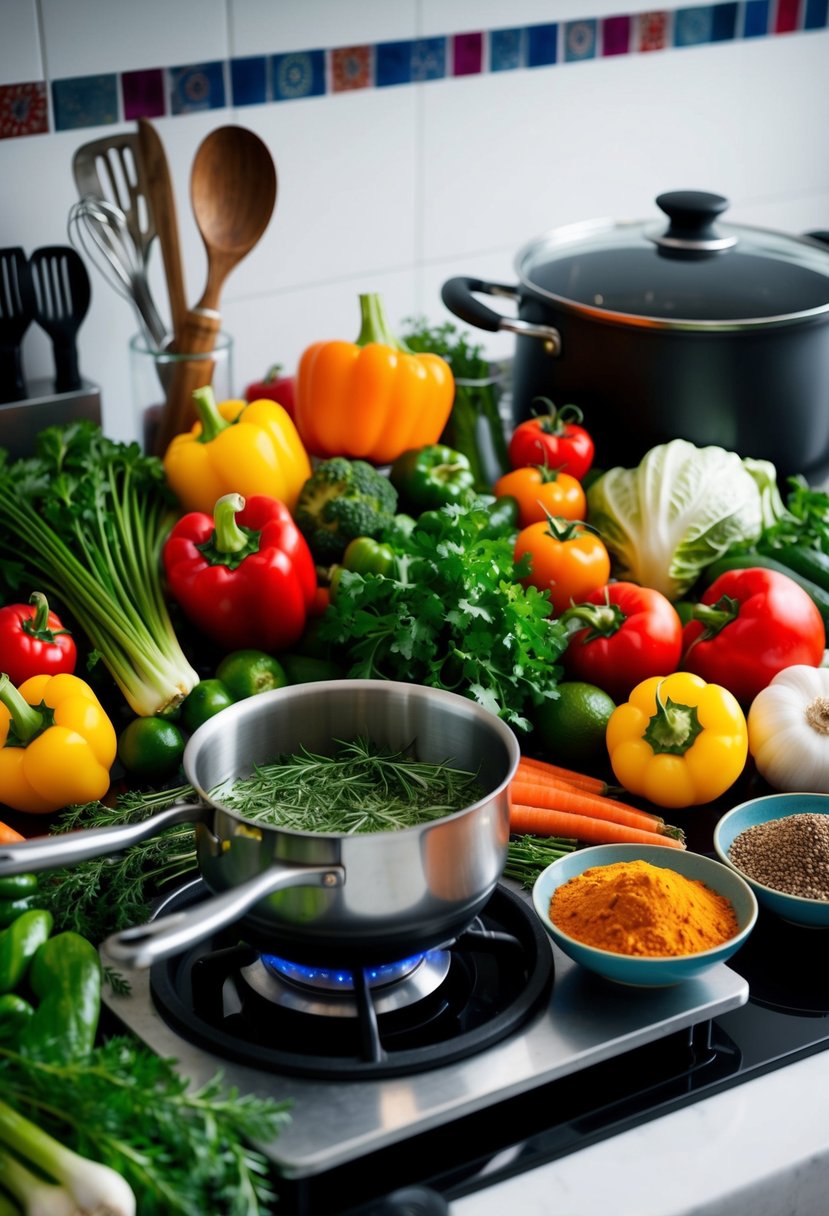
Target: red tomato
(749, 625)
(540, 492)
(274, 387)
(565, 558)
(555, 439)
(630, 633)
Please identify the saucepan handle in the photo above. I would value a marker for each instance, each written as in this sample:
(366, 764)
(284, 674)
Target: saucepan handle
(143, 945)
(458, 295)
(70, 848)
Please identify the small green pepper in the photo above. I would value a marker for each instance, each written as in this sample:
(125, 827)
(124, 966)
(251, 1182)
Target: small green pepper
(15, 1014)
(432, 476)
(15, 886)
(65, 976)
(10, 909)
(19, 944)
(367, 556)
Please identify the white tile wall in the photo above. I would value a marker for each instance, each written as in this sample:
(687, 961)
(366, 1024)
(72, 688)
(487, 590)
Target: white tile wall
(398, 189)
(20, 54)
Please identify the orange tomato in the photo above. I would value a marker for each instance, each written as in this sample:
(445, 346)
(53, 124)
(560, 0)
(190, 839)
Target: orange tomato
(540, 492)
(566, 558)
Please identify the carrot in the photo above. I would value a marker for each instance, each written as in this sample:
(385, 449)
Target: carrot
(540, 770)
(544, 821)
(577, 802)
(9, 835)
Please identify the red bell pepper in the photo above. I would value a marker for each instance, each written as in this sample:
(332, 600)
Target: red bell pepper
(629, 634)
(555, 439)
(244, 575)
(274, 387)
(33, 642)
(749, 625)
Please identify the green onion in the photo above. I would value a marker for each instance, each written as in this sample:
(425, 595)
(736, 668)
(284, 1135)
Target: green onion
(527, 856)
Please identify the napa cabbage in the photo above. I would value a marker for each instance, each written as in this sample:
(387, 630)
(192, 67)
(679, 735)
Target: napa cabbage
(679, 510)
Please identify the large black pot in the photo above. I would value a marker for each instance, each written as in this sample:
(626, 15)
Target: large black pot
(709, 332)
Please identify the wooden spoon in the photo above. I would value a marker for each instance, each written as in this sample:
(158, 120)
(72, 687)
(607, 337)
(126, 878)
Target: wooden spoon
(233, 194)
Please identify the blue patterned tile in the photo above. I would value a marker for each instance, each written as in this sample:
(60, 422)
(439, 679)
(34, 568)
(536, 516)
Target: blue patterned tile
(724, 22)
(542, 45)
(196, 87)
(85, 101)
(816, 14)
(249, 80)
(756, 18)
(298, 74)
(693, 26)
(393, 63)
(579, 40)
(506, 50)
(429, 59)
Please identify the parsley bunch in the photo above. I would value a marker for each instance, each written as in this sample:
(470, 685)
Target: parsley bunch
(451, 615)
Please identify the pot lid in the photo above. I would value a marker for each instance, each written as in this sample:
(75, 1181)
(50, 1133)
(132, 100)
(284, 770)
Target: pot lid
(691, 273)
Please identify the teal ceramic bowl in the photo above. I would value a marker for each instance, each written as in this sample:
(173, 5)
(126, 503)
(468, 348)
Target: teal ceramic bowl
(793, 908)
(647, 972)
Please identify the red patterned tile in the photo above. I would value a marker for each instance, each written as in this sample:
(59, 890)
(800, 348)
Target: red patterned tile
(24, 109)
(350, 68)
(653, 31)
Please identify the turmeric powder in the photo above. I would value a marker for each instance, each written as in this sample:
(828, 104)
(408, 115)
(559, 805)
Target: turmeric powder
(634, 907)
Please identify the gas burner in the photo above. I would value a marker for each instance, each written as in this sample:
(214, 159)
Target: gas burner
(796, 982)
(332, 992)
(406, 1017)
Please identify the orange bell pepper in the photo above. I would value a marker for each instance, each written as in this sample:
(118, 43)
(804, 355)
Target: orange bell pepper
(371, 399)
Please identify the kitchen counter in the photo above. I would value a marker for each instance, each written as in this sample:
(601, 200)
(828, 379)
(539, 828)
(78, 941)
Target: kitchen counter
(760, 1148)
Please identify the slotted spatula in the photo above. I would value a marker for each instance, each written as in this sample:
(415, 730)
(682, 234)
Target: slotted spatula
(112, 169)
(61, 292)
(16, 311)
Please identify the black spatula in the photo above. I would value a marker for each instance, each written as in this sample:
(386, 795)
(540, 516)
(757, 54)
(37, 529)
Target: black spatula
(17, 302)
(61, 289)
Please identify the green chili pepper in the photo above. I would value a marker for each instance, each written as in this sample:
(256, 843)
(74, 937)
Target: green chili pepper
(65, 976)
(433, 476)
(19, 943)
(15, 1015)
(10, 909)
(14, 886)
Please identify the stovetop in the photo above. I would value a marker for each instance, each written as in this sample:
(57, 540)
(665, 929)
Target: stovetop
(590, 1058)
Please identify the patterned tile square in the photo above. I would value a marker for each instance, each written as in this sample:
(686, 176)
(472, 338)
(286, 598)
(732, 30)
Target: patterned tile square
(199, 86)
(816, 15)
(24, 109)
(393, 63)
(756, 18)
(429, 59)
(693, 26)
(143, 94)
(298, 74)
(85, 101)
(351, 68)
(786, 20)
(506, 50)
(653, 31)
(249, 84)
(542, 45)
(616, 35)
(467, 54)
(580, 40)
(724, 22)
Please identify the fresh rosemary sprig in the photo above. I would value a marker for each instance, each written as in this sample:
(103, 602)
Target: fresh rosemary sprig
(360, 788)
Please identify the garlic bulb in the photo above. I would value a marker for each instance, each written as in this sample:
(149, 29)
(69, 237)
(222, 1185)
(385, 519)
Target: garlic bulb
(788, 730)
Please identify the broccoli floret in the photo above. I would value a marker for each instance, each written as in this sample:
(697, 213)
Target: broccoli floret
(343, 499)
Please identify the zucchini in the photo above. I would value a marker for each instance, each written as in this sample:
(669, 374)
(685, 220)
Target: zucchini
(809, 562)
(745, 561)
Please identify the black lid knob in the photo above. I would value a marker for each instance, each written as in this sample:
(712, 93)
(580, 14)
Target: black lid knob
(692, 229)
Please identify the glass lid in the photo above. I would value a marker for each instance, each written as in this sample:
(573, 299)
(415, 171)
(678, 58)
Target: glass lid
(692, 272)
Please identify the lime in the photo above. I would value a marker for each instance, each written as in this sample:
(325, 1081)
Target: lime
(208, 697)
(571, 729)
(247, 672)
(151, 747)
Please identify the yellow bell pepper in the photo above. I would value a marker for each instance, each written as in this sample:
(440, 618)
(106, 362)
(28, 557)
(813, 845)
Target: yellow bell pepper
(372, 399)
(678, 741)
(236, 448)
(57, 744)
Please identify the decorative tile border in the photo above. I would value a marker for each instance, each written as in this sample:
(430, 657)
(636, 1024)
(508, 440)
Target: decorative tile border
(102, 100)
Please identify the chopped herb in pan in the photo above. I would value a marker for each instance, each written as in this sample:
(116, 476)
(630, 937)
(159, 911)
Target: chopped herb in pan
(360, 788)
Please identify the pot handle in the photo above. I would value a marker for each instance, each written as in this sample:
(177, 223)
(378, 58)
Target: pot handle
(141, 946)
(457, 295)
(70, 848)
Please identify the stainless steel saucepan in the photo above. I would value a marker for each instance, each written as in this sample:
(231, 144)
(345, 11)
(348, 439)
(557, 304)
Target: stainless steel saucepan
(321, 897)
